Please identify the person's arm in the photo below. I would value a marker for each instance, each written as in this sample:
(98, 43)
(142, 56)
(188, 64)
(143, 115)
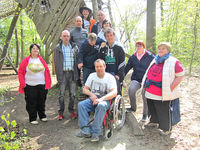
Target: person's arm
(80, 56)
(109, 96)
(176, 82)
(128, 66)
(86, 91)
(121, 66)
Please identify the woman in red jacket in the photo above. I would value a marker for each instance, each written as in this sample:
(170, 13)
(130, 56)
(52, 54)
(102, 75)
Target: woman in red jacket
(35, 80)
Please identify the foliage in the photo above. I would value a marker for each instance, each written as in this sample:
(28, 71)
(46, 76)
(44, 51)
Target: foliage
(3, 99)
(180, 27)
(29, 31)
(9, 136)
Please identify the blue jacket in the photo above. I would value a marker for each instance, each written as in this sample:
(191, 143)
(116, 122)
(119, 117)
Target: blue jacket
(139, 66)
(88, 54)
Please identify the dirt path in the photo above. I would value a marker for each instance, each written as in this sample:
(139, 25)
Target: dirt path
(60, 135)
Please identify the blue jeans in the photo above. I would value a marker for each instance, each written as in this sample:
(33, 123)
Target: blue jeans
(86, 73)
(83, 117)
(67, 82)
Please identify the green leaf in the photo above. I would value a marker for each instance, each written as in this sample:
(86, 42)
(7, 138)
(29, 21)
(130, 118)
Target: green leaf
(1, 129)
(8, 115)
(25, 131)
(3, 117)
(12, 135)
(13, 123)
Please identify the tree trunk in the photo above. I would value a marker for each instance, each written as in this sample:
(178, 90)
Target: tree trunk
(95, 8)
(22, 39)
(10, 62)
(100, 3)
(9, 36)
(110, 14)
(17, 48)
(195, 38)
(151, 26)
(161, 11)
(46, 54)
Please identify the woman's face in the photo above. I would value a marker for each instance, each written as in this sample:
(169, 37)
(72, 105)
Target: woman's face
(106, 25)
(162, 50)
(85, 13)
(139, 48)
(35, 51)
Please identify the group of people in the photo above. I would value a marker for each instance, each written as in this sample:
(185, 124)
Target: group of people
(94, 47)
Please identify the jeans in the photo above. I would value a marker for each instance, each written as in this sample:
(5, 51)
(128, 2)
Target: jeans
(83, 117)
(134, 86)
(67, 82)
(35, 97)
(86, 73)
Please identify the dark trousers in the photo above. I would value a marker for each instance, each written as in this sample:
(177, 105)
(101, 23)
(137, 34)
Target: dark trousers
(69, 83)
(35, 97)
(160, 113)
(86, 73)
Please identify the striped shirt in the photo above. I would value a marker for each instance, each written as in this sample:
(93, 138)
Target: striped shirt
(68, 57)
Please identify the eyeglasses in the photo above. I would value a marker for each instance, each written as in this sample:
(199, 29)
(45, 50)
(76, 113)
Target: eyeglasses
(138, 46)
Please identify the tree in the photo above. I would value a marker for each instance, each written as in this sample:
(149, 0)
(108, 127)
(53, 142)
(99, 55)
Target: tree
(9, 36)
(151, 26)
(17, 48)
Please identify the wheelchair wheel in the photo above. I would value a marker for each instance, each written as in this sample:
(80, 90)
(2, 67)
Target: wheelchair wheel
(119, 113)
(108, 133)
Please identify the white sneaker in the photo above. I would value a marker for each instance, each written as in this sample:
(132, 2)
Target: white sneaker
(34, 122)
(44, 119)
(164, 133)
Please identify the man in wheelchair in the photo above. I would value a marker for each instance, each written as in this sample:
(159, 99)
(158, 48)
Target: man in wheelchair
(101, 88)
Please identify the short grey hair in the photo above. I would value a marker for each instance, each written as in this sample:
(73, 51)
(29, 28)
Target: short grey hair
(100, 61)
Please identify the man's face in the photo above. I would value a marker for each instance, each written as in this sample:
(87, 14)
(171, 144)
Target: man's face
(78, 22)
(100, 16)
(92, 43)
(100, 68)
(65, 37)
(110, 38)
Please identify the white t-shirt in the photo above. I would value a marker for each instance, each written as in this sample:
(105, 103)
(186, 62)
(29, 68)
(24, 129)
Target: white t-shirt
(34, 72)
(101, 86)
(86, 25)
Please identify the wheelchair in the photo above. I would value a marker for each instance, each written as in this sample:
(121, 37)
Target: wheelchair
(114, 117)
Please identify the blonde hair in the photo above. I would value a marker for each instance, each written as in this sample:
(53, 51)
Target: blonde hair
(166, 44)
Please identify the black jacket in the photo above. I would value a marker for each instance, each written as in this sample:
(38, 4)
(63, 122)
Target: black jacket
(139, 66)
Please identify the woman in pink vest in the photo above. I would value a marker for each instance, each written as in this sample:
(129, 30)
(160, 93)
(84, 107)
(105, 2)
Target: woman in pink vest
(161, 81)
(35, 80)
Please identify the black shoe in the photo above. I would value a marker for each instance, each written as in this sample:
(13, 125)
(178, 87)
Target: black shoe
(144, 118)
(81, 135)
(129, 110)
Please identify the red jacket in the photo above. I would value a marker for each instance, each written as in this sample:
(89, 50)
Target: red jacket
(22, 72)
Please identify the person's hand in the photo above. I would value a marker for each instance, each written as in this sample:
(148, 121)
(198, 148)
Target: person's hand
(80, 65)
(116, 76)
(95, 102)
(93, 97)
(103, 44)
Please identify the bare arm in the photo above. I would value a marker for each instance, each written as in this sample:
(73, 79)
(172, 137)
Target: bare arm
(176, 82)
(86, 90)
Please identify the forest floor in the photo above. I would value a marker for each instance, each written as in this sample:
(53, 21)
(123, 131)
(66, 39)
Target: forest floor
(60, 135)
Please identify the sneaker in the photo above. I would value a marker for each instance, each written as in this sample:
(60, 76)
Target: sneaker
(74, 115)
(34, 122)
(164, 133)
(151, 124)
(81, 135)
(60, 117)
(95, 138)
(144, 118)
(44, 119)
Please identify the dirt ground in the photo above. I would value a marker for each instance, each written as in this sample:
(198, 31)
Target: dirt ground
(60, 135)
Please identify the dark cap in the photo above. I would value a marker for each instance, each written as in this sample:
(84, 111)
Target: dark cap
(85, 8)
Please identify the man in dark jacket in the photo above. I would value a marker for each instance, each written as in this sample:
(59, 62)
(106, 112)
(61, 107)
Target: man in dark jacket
(139, 62)
(65, 59)
(88, 54)
(113, 54)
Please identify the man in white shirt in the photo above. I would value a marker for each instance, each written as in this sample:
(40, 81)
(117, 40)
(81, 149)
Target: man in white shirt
(101, 88)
